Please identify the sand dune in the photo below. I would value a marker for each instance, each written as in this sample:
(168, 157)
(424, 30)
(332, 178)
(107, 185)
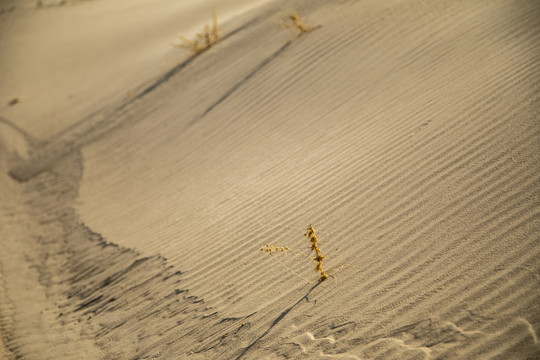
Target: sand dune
(407, 133)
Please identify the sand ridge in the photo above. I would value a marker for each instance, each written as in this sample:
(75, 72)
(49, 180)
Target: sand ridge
(406, 133)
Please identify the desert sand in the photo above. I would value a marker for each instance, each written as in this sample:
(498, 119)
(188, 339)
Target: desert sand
(139, 180)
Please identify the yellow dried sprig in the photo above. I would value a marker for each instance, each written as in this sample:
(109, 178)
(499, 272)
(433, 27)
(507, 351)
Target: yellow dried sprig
(274, 249)
(314, 246)
(298, 23)
(202, 40)
(319, 257)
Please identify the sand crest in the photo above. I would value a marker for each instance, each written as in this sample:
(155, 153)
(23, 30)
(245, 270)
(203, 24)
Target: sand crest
(406, 133)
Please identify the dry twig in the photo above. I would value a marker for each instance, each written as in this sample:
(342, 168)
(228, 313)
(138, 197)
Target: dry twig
(314, 246)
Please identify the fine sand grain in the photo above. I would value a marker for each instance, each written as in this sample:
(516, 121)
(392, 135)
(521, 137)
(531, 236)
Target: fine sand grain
(407, 133)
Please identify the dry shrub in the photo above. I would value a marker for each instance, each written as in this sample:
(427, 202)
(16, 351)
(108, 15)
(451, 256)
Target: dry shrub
(296, 23)
(203, 40)
(314, 247)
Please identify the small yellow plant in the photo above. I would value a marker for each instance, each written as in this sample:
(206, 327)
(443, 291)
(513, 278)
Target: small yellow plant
(298, 23)
(319, 257)
(314, 246)
(202, 40)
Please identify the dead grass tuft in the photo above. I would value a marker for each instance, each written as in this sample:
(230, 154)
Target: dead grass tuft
(202, 40)
(297, 23)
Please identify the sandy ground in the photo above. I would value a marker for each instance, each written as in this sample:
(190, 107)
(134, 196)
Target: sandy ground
(135, 194)
(68, 60)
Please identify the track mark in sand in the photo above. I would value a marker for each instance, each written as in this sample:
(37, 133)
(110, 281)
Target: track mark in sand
(102, 291)
(159, 81)
(391, 348)
(236, 86)
(530, 328)
(433, 337)
(27, 137)
(311, 346)
(179, 67)
(94, 126)
(277, 320)
(418, 340)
